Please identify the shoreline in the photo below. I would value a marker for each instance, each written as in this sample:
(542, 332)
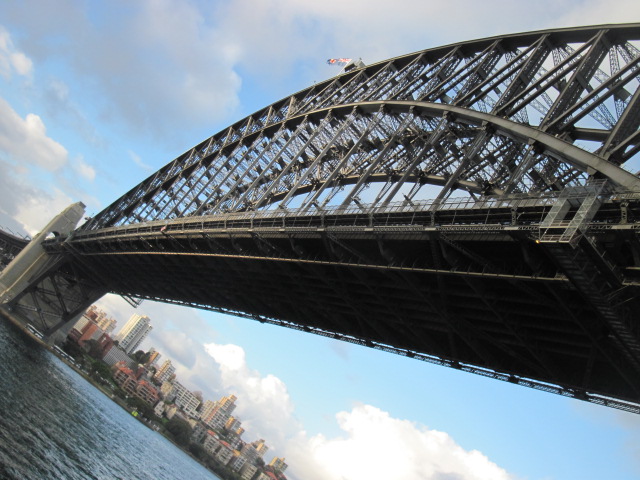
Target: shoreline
(6, 315)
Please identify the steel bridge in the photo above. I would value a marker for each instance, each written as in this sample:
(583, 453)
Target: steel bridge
(472, 205)
(10, 246)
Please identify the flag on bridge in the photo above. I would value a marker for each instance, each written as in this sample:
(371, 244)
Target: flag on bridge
(342, 61)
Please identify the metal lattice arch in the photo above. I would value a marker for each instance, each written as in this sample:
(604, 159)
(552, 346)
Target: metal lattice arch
(472, 205)
(525, 113)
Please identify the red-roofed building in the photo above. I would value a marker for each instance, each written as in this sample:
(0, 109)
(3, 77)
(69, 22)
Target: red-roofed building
(147, 392)
(126, 379)
(223, 453)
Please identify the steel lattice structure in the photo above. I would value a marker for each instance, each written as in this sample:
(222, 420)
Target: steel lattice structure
(469, 205)
(488, 117)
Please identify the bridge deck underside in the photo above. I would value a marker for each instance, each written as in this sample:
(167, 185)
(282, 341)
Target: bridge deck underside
(488, 298)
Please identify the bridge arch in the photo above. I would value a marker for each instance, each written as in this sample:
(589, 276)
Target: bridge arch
(542, 110)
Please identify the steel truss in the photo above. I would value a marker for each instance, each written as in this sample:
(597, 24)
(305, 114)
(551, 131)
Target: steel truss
(524, 113)
(469, 205)
(10, 246)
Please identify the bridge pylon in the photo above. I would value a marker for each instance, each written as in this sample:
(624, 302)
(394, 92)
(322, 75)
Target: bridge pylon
(37, 288)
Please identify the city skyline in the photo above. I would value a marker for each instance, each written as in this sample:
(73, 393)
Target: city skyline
(96, 99)
(161, 390)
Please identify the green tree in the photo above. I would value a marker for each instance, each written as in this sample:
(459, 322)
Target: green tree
(73, 349)
(180, 431)
(143, 408)
(198, 451)
(99, 369)
(141, 357)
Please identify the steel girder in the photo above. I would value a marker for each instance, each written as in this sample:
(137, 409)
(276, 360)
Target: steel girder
(10, 246)
(521, 113)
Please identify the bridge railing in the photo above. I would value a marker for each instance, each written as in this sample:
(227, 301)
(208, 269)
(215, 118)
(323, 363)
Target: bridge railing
(484, 211)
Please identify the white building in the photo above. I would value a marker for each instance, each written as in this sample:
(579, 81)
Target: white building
(134, 332)
(165, 372)
(216, 414)
(278, 464)
(186, 400)
(247, 471)
(115, 355)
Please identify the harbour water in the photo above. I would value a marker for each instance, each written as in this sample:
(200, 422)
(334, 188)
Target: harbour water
(55, 425)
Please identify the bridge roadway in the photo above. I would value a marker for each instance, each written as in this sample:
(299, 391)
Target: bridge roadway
(467, 284)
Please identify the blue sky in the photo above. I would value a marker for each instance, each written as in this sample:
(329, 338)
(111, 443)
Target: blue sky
(95, 96)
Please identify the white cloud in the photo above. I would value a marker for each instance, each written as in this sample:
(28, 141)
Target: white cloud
(23, 206)
(595, 12)
(34, 212)
(12, 60)
(377, 445)
(138, 161)
(154, 67)
(230, 357)
(374, 444)
(85, 170)
(26, 141)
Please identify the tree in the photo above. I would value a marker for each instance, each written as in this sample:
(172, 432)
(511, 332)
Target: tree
(141, 357)
(180, 431)
(99, 370)
(73, 349)
(198, 451)
(143, 408)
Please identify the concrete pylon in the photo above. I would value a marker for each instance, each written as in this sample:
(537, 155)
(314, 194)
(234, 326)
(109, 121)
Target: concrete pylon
(16, 277)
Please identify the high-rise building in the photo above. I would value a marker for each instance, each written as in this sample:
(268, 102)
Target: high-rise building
(165, 372)
(154, 356)
(260, 447)
(216, 414)
(107, 324)
(100, 318)
(278, 464)
(233, 424)
(186, 400)
(133, 333)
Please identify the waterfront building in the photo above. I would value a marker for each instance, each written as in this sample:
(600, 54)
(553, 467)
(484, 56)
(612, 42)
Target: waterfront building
(211, 442)
(224, 453)
(234, 440)
(167, 391)
(165, 372)
(115, 355)
(250, 453)
(247, 471)
(154, 356)
(147, 392)
(159, 408)
(100, 318)
(278, 464)
(217, 414)
(260, 447)
(237, 461)
(126, 379)
(199, 433)
(186, 400)
(233, 424)
(81, 323)
(206, 408)
(134, 332)
(103, 344)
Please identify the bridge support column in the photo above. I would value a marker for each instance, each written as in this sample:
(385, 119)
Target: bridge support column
(14, 279)
(46, 290)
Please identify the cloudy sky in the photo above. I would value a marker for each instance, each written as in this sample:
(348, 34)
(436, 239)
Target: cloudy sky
(95, 96)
